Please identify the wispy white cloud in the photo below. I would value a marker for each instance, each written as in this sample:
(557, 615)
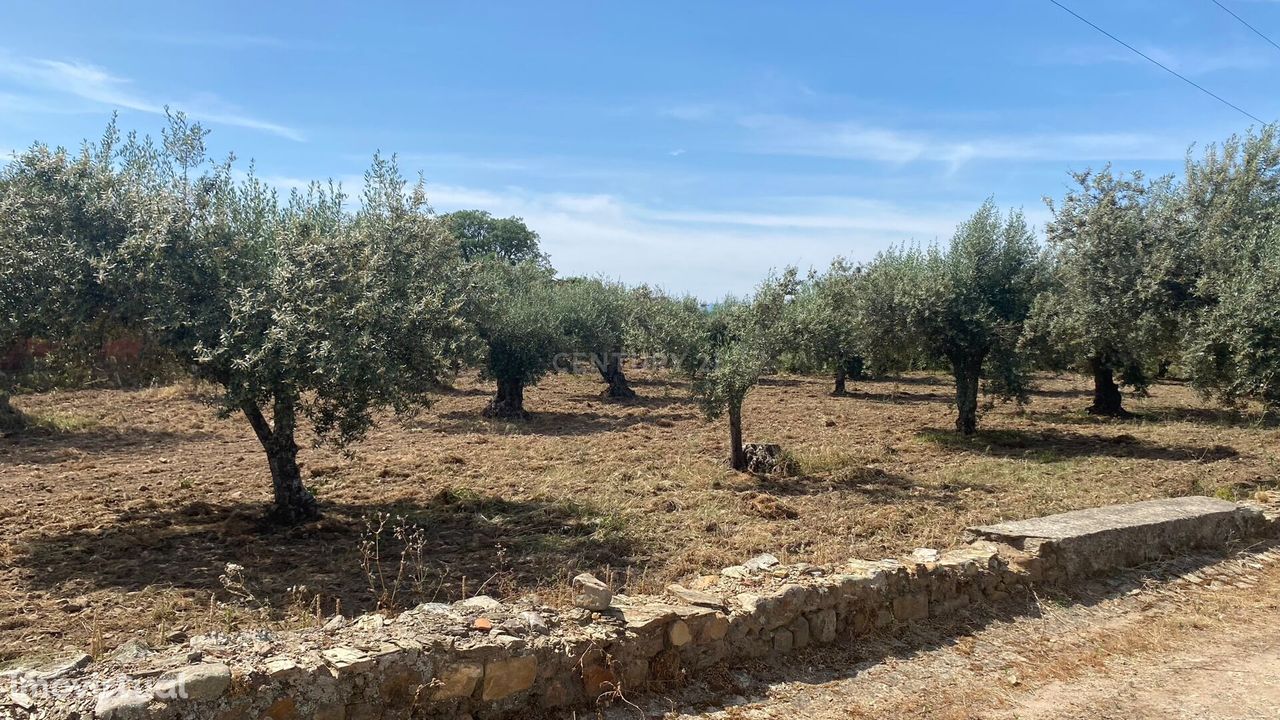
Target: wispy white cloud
(55, 79)
(783, 135)
(706, 252)
(1188, 61)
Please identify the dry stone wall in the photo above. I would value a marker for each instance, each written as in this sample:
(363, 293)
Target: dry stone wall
(483, 659)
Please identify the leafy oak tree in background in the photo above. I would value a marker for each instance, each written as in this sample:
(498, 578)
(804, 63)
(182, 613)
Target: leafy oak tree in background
(295, 310)
(968, 304)
(481, 235)
(739, 341)
(1115, 296)
(1232, 196)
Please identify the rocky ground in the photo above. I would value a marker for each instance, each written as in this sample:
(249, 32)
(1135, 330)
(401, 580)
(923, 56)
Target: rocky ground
(1195, 639)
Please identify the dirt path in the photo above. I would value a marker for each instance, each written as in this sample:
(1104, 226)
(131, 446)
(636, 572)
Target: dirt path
(1196, 639)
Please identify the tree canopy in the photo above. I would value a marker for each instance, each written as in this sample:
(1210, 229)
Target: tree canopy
(1111, 309)
(292, 309)
(739, 341)
(968, 303)
(1232, 342)
(481, 235)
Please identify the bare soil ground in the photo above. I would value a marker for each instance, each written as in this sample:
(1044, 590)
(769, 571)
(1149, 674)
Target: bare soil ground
(119, 523)
(1195, 639)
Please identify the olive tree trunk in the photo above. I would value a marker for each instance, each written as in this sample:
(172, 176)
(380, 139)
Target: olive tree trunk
(612, 372)
(508, 403)
(1106, 394)
(293, 502)
(968, 375)
(10, 419)
(856, 368)
(841, 374)
(737, 457)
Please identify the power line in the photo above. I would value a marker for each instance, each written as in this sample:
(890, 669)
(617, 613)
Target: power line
(1255, 30)
(1164, 67)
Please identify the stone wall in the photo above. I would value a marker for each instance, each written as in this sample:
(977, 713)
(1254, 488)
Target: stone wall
(482, 659)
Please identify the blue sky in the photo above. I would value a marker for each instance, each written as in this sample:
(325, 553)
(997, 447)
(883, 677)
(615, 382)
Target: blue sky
(691, 145)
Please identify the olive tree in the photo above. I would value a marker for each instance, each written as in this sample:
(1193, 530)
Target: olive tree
(969, 302)
(739, 340)
(294, 310)
(1232, 200)
(63, 216)
(825, 324)
(516, 313)
(597, 320)
(1112, 305)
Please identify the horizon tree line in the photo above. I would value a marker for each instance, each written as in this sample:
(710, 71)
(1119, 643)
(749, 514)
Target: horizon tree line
(326, 308)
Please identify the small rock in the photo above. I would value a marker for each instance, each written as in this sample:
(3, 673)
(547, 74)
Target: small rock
(370, 622)
(482, 624)
(763, 561)
(345, 659)
(132, 650)
(925, 555)
(64, 667)
(281, 667)
(121, 704)
(196, 682)
(337, 622)
(536, 623)
(591, 594)
(22, 700)
(478, 604)
(509, 642)
(696, 597)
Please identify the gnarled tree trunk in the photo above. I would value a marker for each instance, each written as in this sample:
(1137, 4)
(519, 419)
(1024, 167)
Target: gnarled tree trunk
(852, 368)
(737, 457)
(1106, 394)
(612, 372)
(508, 403)
(11, 421)
(856, 368)
(968, 375)
(293, 502)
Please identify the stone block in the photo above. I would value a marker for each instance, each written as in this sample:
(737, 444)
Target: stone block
(121, 704)
(678, 634)
(715, 628)
(509, 676)
(799, 632)
(459, 681)
(197, 682)
(912, 606)
(822, 626)
(783, 641)
(1096, 540)
(347, 661)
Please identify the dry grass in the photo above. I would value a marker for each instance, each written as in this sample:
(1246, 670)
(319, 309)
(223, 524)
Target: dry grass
(121, 517)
